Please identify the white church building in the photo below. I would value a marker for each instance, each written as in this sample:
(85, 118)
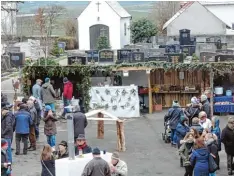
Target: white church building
(104, 18)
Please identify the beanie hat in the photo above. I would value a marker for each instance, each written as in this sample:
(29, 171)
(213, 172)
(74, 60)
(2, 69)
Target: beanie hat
(63, 143)
(47, 108)
(3, 142)
(65, 80)
(47, 79)
(194, 100)
(115, 156)
(203, 98)
(96, 151)
(175, 103)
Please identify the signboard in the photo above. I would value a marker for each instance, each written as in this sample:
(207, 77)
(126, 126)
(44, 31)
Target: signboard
(17, 59)
(123, 55)
(138, 57)
(92, 56)
(77, 60)
(106, 56)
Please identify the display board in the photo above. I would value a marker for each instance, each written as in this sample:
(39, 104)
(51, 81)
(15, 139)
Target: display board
(106, 56)
(121, 101)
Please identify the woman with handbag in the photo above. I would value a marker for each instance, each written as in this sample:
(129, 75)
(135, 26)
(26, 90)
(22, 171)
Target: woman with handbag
(200, 158)
(47, 161)
(185, 151)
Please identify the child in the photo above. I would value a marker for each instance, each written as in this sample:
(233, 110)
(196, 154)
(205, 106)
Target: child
(5, 166)
(212, 147)
(50, 126)
(185, 151)
(216, 130)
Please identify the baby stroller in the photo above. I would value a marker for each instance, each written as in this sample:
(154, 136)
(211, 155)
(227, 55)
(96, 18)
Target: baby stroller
(166, 136)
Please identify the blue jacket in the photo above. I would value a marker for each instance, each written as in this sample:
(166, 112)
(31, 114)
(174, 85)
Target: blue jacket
(181, 131)
(200, 161)
(23, 121)
(173, 116)
(216, 130)
(36, 91)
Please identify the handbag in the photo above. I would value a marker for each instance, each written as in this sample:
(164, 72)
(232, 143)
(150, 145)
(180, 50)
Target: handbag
(47, 168)
(212, 165)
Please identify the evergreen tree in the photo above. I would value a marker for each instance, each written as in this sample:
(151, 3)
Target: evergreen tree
(103, 43)
(55, 50)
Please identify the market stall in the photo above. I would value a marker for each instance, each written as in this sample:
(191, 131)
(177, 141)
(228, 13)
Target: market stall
(224, 104)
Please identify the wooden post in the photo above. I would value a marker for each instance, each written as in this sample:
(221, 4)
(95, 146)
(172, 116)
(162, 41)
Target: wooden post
(212, 92)
(100, 127)
(120, 136)
(150, 96)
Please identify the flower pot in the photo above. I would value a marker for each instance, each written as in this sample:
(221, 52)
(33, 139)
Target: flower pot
(157, 107)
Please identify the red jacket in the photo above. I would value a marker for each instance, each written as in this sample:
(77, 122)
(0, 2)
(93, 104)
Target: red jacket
(68, 90)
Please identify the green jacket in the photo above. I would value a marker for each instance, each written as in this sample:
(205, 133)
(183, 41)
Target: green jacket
(48, 93)
(185, 152)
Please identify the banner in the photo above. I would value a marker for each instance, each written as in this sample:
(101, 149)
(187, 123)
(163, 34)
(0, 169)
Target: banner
(121, 101)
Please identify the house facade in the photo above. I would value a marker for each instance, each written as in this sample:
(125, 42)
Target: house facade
(105, 18)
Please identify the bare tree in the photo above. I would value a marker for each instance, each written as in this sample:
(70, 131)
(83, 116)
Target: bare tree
(162, 12)
(46, 20)
(70, 27)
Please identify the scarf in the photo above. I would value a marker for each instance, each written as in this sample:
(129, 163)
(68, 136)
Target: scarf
(81, 147)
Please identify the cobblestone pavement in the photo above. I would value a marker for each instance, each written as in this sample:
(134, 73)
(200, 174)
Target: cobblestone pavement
(146, 153)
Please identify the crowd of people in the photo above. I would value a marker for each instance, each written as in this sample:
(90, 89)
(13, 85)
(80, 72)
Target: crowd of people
(25, 121)
(198, 137)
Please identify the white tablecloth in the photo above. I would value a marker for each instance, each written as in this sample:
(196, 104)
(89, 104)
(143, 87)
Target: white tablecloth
(66, 167)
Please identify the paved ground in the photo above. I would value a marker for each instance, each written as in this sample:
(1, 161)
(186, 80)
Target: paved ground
(146, 153)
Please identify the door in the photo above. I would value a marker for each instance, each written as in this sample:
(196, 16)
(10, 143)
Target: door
(95, 32)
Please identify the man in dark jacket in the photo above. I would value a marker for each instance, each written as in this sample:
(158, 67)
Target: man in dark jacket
(192, 110)
(173, 116)
(80, 122)
(7, 127)
(82, 145)
(97, 166)
(23, 121)
(205, 106)
(32, 135)
(48, 94)
(227, 138)
(67, 93)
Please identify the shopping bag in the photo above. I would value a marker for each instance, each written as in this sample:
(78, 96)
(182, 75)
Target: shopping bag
(212, 165)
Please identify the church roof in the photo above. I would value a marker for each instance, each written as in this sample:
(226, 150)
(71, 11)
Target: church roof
(118, 9)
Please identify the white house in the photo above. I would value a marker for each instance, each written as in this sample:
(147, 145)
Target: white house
(104, 18)
(8, 18)
(203, 18)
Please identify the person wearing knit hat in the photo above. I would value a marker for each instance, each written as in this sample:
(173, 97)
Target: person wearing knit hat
(173, 117)
(181, 131)
(97, 166)
(192, 110)
(62, 150)
(227, 138)
(81, 144)
(67, 93)
(206, 106)
(118, 167)
(48, 94)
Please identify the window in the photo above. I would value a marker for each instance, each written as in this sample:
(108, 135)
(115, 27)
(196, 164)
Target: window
(125, 29)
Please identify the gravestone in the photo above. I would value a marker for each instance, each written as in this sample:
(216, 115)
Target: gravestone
(76, 59)
(172, 48)
(161, 58)
(175, 57)
(228, 51)
(106, 56)
(156, 52)
(92, 56)
(138, 57)
(188, 49)
(224, 58)
(123, 55)
(17, 59)
(207, 57)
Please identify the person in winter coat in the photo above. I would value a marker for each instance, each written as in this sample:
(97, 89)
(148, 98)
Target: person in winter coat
(47, 161)
(205, 106)
(216, 130)
(117, 166)
(3, 98)
(37, 92)
(200, 158)
(182, 129)
(7, 128)
(23, 121)
(185, 151)
(204, 121)
(32, 135)
(62, 150)
(193, 110)
(97, 166)
(67, 93)
(212, 146)
(50, 126)
(81, 144)
(5, 164)
(80, 122)
(227, 138)
(48, 94)
(173, 116)
(196, 125)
